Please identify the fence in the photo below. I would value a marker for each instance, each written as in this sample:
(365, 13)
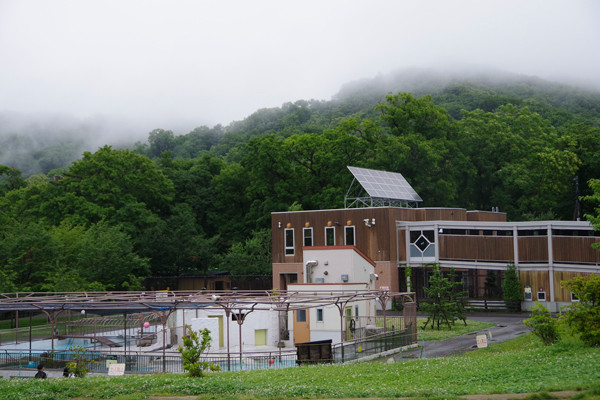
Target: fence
(138, 363)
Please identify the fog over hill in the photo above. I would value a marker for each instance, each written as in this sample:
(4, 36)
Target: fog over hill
(36, 143)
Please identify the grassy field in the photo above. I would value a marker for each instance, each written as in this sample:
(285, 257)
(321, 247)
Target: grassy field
(522, 365)
(459, 329)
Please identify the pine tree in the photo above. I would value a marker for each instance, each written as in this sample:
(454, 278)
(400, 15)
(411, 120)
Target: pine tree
(511, 288)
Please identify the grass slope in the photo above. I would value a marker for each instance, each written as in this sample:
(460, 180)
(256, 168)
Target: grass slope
(522, 365)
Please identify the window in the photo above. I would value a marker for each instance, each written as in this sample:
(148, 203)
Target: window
(422, 245)
(308, 236)
(541, 296)
(289, 241)
(349, 239)
(319, 315)
(330, 236)
(301, 315)
(574, 297)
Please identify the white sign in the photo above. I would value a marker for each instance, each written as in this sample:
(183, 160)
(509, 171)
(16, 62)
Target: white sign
(481, 341)
(116, 369)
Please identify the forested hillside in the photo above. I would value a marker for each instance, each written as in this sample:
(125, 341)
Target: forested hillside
(201, 201)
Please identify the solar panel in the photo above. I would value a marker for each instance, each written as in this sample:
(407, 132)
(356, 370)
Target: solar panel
(383, 184)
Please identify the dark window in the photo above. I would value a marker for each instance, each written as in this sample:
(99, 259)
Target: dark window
(289, 241)
(308, 236)
(349, 235)
(319, 314)
(301, 315)
(330, 236)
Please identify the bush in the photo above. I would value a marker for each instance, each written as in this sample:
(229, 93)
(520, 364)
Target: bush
(544, 326)
(191, 351)
(584, 316)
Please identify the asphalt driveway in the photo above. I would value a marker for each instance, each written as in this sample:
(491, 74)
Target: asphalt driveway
(508, 326)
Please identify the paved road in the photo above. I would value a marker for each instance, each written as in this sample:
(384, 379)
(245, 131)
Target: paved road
(508, 326)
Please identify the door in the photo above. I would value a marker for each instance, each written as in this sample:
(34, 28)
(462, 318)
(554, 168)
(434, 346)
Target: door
(260, 337)
(349, 332)
(301, 326)
(220, 318)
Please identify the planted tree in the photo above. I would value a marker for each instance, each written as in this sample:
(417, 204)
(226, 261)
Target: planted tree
(511, 288)
(443, 304)
(194, 344)
(584, 316)
(543, 324)
(80, 365)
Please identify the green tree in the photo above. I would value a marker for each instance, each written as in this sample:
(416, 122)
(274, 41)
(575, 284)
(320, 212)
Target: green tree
(252, 257)
(511, 288)
(584, 316)
(440, 305)
(194, 344)
(543, 324)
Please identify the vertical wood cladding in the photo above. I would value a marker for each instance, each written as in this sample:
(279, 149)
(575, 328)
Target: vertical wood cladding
(575, 249)
(485, 248)
(376, 241)
(533, 249)
(560, 293)
(537, 280)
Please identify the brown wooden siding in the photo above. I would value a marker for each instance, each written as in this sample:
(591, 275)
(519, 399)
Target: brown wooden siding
(575, 249)
(487, 248)
(487, 216)
(375, 242)
(537, 280)
(560, 293)
(533, 249)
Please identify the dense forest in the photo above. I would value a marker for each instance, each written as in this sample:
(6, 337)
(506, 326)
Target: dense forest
(198, 202)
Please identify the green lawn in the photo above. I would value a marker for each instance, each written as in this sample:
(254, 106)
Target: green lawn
(522, 365)
(444, 333)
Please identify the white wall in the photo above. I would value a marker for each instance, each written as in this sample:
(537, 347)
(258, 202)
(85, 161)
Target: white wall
(259, 319)
(330, 327)
(335, 262)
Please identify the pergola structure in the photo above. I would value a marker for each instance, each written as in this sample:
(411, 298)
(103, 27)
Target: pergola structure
(163, 303)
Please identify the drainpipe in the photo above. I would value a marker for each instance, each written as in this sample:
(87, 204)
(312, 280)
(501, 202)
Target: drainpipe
(309, 266)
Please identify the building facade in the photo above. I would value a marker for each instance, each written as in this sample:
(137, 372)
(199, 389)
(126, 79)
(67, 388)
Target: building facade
(403, 243)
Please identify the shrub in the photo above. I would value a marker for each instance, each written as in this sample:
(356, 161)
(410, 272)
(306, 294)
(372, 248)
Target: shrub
(584, 316)
(80, 365)
(191, 352)
(543, 324)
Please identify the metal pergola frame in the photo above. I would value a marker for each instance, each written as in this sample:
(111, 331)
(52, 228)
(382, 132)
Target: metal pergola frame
(163, 303)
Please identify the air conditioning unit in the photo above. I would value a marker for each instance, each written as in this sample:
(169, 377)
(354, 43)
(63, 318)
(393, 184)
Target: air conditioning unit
(344, 277)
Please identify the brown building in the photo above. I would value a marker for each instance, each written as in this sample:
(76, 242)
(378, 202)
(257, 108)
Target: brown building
(478, 244)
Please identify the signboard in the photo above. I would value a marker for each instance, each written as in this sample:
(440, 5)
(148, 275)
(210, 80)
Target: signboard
(116, 369)
(110, 359)
(481, 341)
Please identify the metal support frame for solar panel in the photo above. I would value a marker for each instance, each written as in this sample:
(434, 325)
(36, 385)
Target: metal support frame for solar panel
(373, 188)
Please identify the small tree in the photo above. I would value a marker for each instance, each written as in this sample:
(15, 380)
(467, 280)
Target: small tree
(443, 304)
(194, 344)
(543, 325)
(584, 316)
(80, 365)
(511, 288)
(457, 296)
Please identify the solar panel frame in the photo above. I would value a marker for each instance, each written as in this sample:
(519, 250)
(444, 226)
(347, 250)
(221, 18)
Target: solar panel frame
(384, 184)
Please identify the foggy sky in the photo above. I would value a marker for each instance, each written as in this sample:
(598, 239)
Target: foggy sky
(180, 63)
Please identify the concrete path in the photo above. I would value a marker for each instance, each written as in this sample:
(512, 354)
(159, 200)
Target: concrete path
(508, 326)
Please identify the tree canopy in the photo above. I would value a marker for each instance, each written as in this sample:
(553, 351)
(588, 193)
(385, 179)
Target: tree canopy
(201, 201)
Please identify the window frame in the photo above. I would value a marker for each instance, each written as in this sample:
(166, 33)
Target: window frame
(289, 250)
(346, 229)
(332, 229)
(304, 236)
(320, 315)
